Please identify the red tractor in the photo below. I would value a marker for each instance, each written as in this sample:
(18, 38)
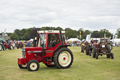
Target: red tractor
(51, 50)
(8, 45)
(19, 45)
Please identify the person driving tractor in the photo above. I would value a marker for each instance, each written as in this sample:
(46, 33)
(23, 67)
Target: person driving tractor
(53, 42)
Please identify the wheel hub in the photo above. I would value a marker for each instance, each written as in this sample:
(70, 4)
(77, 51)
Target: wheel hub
(33, 66)
(64, 58)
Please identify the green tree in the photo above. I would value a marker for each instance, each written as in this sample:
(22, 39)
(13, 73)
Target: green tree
(58, 28)
(118, 33)
(104, 31)
(51, 28)
(71, 33)
(26, 35)
(86, 33)
(95, 34)
(14, 36)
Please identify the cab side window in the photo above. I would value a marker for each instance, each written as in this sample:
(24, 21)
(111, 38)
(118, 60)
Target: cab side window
(53, 39)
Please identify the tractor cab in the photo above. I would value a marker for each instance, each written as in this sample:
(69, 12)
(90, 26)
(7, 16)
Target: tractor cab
(51, 49)
(49, 39)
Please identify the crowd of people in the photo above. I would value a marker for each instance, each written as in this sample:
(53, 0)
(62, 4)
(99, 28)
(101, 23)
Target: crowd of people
(9, 44)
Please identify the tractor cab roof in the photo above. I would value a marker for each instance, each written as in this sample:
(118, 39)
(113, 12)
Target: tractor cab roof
(49, 31)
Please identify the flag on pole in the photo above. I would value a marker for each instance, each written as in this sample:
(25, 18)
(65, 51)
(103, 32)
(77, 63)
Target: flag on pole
(4, 30)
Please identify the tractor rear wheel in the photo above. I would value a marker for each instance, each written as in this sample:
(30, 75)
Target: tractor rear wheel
(94, 52)
(89, 53)
(22, 66)
(0, 47)
(87, 49)
(112, 56)
(97, 55)
(10, 47)
(109, 48)
(63, 58)
(33, 65)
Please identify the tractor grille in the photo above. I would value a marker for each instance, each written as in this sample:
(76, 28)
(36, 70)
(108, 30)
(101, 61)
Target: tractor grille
(23, 52)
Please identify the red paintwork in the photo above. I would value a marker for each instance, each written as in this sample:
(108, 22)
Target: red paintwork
(21, 61)
(86, 43)
(7, 45)
(95, 44)
(43, 56)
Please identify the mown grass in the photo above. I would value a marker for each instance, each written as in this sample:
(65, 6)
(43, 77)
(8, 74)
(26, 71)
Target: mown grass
(83, 68)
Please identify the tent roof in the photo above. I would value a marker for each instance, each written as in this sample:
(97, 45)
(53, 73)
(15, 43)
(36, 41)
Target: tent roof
(73, 39)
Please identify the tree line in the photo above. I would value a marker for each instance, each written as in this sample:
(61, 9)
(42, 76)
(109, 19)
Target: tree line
(26, 34)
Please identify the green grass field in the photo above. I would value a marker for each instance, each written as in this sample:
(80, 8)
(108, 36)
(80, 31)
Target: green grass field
(83, 68)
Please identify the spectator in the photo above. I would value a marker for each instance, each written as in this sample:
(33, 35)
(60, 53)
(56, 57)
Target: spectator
(28, 44)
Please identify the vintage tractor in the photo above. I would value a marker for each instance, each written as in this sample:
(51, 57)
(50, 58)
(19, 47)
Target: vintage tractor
(85, 47)
(91, 47)
(19, 45)
(51, 50)
(103, 48)
(8, 45)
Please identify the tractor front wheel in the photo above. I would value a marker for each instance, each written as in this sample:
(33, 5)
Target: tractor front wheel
(87, 49)
(33, 65)
(82, 49)
(112, 56)
(22, 66)
(108, 55)
(89, 53)
(94, 52)
(63, 58)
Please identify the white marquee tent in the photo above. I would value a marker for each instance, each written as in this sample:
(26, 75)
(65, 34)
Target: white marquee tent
(73, 40)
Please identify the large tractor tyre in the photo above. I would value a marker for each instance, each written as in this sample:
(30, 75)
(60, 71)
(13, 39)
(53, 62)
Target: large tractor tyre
(97, 55)
(17, 47)
(10, 47)
(109, 48)
(87, 49)
(3, 47)
(89, 53)
(0, 47)
(82, 49)
(108, 55)
(50, 65)
(112, 56)
(33, 65)
(94, 52)
(63, 58)
(22, 66)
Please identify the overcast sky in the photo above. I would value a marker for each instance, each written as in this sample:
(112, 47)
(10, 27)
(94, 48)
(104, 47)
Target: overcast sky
(75, 14)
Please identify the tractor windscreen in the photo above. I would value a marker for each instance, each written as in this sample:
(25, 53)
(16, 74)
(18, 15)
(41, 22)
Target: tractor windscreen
(42, 40)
